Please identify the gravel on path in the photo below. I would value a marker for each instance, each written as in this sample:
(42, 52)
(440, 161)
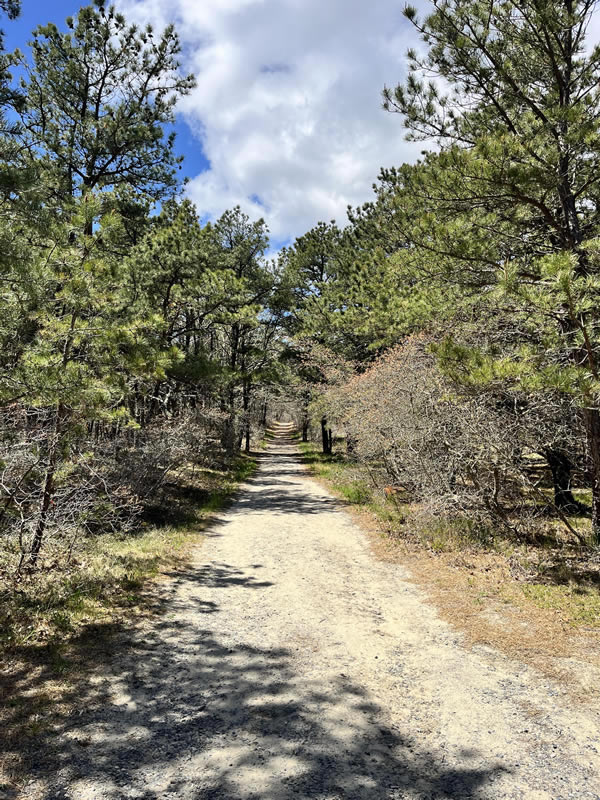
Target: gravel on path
(291, 663)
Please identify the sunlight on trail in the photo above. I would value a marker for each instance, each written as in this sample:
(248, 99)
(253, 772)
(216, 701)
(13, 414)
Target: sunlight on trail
(289, 663)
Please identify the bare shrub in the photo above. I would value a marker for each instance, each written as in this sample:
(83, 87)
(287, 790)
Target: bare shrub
(88, 495)
(456, 453)
(104, 480)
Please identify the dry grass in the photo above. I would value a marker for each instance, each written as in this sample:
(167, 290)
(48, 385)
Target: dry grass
(479, 594)
(105, 575)
(58, 622)
(538, 602)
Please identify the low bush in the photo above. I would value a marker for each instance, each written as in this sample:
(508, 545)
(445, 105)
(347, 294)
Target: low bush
(478, 458)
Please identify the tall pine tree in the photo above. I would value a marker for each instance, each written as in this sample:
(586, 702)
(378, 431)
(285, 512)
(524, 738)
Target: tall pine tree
(520, 150)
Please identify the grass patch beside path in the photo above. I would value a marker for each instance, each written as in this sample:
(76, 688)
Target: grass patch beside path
(57, 624)
(107, 574)
(532, 601)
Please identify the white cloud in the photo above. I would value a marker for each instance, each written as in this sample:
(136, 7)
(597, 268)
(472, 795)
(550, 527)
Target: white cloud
(288, 105)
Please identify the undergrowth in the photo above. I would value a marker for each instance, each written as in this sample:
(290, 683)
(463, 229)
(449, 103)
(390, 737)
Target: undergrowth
(106, 576)
(57, 623)
(546, 573)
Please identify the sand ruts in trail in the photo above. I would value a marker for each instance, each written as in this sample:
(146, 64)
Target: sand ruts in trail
(290, 663)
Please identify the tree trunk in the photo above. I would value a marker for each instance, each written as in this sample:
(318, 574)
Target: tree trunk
(324, 436)
(48, 491)
(561, 468)
(230, 441)
(40, 529)
(305, 424)
(228, 437)
(592, 428)
(327, 437)
(246, 402)
(239, 439)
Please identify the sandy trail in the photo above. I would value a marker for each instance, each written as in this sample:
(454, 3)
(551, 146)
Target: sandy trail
(293, 664)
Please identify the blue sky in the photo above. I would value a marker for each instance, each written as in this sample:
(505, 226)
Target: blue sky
(286, 119)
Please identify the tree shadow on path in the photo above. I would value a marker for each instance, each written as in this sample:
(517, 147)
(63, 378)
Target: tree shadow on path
(176, 709)
(173, 711)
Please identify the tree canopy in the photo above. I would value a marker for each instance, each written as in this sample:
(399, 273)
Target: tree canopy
(456, 308)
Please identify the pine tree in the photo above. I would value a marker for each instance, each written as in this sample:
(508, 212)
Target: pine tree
(92, 126)
(512, 197)
(98, 98)
(243, 245)
(12, 9)
(10, 100)
(85, 342)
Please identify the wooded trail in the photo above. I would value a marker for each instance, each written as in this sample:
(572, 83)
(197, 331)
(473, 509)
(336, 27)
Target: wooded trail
(291, 663)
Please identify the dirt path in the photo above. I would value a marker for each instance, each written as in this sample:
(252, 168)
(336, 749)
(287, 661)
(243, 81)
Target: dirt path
(292, 664)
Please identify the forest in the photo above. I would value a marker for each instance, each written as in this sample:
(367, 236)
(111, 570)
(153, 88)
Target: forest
(443, 340)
